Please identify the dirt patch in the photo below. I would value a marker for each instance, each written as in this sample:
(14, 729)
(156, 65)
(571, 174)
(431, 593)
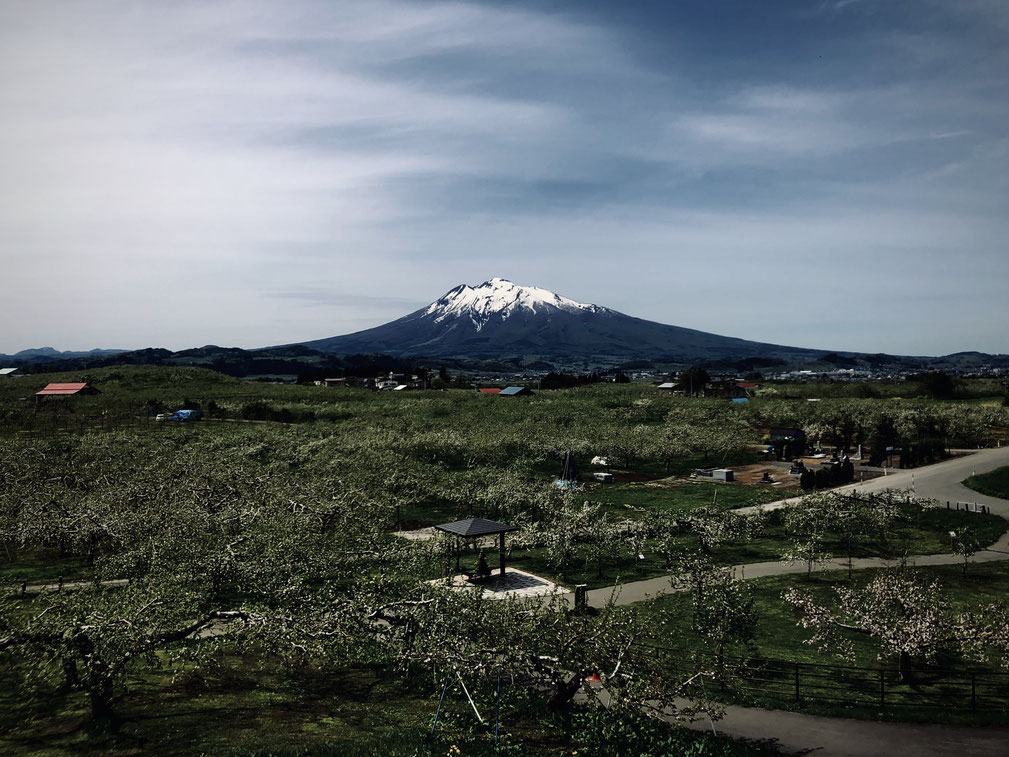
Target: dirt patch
(753, 475)
(635, 477)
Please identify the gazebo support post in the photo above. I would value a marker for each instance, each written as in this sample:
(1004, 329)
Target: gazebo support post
(474, 529)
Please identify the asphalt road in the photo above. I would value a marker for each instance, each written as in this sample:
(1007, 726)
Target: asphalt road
(843, 737)
(940, 481)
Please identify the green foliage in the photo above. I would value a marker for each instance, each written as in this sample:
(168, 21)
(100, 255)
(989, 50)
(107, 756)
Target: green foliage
(693, 380)
(935, 384)
(265, 529)
(994, 484)
(807, 479)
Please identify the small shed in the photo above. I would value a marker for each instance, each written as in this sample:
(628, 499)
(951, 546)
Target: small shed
(474, 528)
(56, 391)
(516, 391)
(668, 386)
(10, 373)
(489, 391)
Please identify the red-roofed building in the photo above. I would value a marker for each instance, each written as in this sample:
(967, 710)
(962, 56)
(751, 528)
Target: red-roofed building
(490, 391)
(64, 390)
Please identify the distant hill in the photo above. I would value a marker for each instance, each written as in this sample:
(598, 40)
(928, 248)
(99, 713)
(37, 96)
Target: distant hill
(290, 362)
(499, 327)
(48, 354)
(500, 319)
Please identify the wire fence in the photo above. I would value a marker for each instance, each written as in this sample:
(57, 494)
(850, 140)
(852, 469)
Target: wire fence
(881, 687)
(46, 425)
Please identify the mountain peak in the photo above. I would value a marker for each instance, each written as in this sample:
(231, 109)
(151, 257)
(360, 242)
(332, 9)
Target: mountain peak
(499, 298)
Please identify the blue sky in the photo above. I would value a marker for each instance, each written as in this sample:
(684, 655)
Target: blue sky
(819, 174)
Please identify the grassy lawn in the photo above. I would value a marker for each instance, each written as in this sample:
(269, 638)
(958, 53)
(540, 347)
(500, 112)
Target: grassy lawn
(584, 571)
(921, 532)
(779, 637)
(38, 564)
(681, 496)
(994, 484)
(251, 705)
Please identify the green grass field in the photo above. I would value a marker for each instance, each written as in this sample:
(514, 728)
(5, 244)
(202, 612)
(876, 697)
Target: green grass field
(681, 496)
(779, 637)
(286, 496)
(920, 532)
(253, 705)
(994, 484)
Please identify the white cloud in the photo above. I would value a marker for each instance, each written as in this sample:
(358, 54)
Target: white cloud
(217, 153)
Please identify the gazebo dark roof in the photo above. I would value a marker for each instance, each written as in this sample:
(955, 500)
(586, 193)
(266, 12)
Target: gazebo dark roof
(475, 527)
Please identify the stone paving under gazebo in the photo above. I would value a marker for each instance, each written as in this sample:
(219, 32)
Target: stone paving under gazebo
(514, 583)
(497, 584)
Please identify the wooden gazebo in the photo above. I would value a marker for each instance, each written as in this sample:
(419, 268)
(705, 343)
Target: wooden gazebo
(473, 528)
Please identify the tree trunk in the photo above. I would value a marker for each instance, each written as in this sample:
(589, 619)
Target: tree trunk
(906, 671)
(102, 713)
(70, 672)
(564, 692)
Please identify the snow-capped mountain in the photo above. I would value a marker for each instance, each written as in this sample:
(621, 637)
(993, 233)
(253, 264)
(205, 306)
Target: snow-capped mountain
(500, 319)
(499, 298)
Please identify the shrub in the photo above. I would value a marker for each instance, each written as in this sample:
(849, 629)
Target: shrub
(807, 480)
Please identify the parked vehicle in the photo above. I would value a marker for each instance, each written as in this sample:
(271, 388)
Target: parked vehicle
(162, 417)
(186, 415)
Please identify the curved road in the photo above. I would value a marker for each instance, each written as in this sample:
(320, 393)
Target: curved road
(940, 481)
(842, 737)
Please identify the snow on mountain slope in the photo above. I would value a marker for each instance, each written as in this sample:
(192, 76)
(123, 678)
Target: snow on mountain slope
(502, 298)
(501, 319)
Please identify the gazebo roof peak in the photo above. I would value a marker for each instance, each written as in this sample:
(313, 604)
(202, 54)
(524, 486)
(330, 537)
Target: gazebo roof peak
(475, 527)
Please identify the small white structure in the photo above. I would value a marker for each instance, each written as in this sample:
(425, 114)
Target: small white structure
(10, 373)
(719, 474)
(667, 387)
(606, 478)
(605, 461)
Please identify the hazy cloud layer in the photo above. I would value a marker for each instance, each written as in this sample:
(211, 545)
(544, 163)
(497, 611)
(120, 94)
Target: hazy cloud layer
(247, 173)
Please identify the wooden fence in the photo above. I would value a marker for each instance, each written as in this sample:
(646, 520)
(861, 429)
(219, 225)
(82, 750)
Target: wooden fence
(880, 687)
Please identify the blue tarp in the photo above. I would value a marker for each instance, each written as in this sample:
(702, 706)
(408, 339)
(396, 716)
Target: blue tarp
(512, 391)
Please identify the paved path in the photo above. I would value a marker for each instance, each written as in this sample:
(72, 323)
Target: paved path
(69, 585)
(940, 481)
(843, 737)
